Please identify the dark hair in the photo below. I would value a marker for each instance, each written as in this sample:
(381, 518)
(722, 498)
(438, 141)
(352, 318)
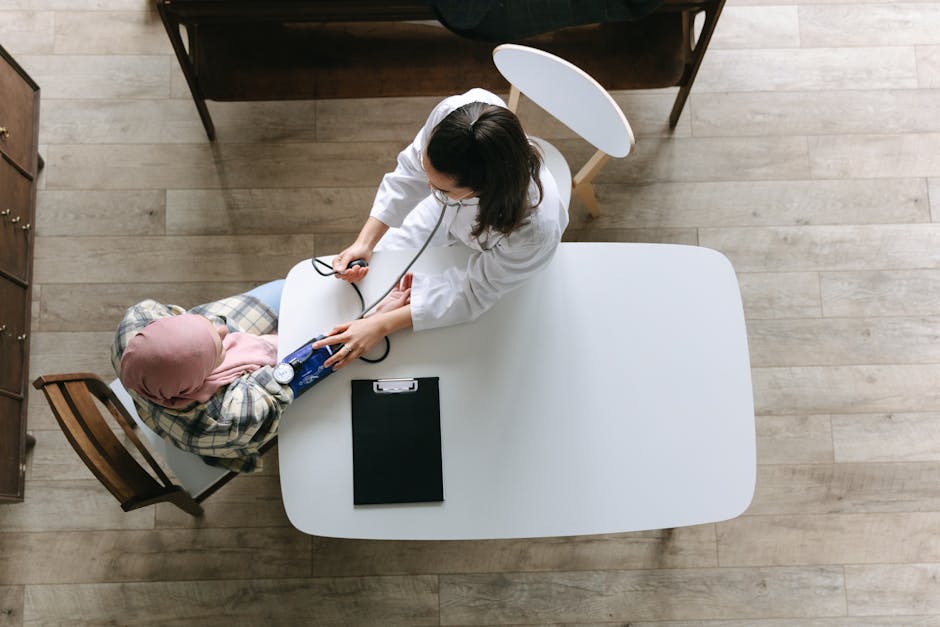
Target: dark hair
(483, 147)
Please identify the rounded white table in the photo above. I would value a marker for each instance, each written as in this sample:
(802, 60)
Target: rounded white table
(611, 393)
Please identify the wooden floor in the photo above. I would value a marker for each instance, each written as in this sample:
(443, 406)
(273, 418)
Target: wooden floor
(809, 154)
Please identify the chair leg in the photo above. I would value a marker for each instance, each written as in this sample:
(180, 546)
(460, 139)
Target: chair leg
(186, 503)
(174, 494)
(513, 103)
(581, 183)
(585, 192)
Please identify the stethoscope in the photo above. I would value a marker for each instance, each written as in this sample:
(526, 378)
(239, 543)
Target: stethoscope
(446, 203)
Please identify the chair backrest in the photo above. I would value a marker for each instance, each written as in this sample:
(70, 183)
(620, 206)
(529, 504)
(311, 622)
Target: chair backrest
(195, 476)
(576, 100)
(556, 164)
(569, 94)
(72, 399)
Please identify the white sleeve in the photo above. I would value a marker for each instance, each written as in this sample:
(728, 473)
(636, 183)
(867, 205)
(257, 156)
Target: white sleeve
(462, 294)
(401, 191)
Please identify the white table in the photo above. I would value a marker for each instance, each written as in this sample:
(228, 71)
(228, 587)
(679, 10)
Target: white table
(611, 393)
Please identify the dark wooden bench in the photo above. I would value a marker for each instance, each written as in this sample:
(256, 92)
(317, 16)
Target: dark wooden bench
(242, 50)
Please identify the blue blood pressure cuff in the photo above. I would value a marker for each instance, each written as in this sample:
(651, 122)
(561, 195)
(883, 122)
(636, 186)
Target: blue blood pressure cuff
(304, 368)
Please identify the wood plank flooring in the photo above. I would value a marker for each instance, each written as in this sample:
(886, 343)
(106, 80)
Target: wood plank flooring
(808, 153)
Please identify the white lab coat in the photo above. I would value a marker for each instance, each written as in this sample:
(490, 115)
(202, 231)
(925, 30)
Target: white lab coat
(500, 264)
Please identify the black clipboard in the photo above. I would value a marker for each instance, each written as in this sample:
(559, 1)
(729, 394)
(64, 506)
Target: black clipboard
(396, 441)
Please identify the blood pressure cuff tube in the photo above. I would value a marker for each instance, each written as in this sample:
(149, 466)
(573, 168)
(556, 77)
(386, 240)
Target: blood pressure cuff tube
(304, 368)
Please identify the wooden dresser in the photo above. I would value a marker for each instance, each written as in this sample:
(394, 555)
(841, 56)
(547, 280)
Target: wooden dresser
(19, 168)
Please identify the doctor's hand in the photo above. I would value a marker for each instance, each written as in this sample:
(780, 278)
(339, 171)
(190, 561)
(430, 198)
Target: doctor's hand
(355, 273)
(357, 337)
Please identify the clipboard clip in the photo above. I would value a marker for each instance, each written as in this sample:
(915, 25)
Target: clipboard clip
(395, 386)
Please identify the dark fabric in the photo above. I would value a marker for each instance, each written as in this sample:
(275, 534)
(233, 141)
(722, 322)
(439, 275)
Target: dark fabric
(501, 21)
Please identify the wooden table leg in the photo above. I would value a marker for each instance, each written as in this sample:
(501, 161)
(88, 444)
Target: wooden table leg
(189, 72)
(698, 53)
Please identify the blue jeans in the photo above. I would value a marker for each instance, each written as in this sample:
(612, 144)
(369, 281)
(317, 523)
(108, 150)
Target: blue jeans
(269, 294)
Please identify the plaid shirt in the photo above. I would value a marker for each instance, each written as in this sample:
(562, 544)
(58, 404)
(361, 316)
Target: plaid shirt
(229, 429)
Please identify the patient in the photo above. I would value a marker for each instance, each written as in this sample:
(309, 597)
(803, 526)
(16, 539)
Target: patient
(203, 379)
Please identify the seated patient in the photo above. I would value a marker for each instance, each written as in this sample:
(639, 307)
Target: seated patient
(203, 379)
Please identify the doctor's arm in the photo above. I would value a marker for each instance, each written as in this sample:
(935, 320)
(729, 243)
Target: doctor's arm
(372, 231)
(399, 192)
(460, 295)
(359, 336)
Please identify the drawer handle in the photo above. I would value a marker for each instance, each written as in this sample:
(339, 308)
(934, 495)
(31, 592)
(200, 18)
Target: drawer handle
(21, 337)
(15, 220)
(25, 227)
(5, 213)
(4, 133)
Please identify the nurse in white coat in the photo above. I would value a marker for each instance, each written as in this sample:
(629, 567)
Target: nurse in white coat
(472, 160)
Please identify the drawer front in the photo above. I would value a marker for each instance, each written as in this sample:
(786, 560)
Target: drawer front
(15, 216)
(12, 439)
(13, 336)
(17, 117)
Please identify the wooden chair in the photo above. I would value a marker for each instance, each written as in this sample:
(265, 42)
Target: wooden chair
(72, 399)
(576, 100)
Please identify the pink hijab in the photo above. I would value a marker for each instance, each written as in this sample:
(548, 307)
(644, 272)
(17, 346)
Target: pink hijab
(171, 362)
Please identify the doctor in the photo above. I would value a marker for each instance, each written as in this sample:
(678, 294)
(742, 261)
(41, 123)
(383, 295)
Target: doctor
(473, 161)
